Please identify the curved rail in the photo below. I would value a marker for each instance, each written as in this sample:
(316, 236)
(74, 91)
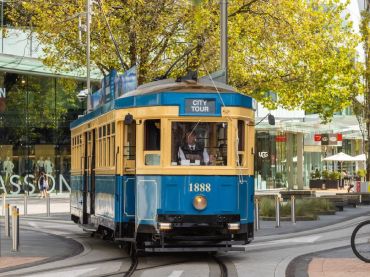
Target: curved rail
(223, 268)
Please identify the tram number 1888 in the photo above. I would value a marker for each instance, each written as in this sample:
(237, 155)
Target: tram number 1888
(200, 187)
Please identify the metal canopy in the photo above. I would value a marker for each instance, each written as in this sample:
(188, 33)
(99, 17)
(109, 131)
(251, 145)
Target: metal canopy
(26, 65)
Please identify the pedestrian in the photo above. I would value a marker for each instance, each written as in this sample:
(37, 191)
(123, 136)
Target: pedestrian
(41, 184)
(46, 185)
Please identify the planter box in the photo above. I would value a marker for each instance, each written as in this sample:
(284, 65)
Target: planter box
(299, 194)
(323, 184)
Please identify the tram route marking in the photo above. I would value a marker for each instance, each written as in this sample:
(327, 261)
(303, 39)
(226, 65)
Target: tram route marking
(176, 273)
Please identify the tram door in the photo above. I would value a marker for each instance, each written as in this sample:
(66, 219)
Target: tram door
(129, 149)
(92, 172)
(85, 167)
(129, 165)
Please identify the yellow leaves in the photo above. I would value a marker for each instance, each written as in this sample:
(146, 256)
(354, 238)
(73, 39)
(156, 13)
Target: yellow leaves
(302, 50)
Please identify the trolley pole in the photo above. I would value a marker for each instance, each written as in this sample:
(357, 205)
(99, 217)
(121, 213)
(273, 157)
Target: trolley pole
(7, 221)
(292, 207)
(15, 228)
(257, 215)
(277, 211)
(88, 85)
(224, 39)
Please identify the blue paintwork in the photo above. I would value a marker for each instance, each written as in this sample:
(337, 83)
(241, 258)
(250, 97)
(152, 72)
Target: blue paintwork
(230, 99)
(157, 194)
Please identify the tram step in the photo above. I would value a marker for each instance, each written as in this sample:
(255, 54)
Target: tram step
(194, 249)
(88, 228)
(126, 239)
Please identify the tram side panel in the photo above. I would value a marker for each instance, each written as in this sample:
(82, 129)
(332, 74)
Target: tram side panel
(125, 206)
(105, 191)
(76, 197)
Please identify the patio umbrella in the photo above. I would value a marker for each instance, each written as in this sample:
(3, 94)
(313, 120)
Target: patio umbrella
(340, 157)
(360, 158)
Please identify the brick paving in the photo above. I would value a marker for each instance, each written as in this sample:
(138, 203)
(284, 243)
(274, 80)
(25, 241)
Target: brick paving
(6, 262)
(338, 267)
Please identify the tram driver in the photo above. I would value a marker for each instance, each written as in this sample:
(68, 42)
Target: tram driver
(191, 152)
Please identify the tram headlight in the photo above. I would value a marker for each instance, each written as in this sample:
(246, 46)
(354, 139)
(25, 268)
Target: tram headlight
(200, 202)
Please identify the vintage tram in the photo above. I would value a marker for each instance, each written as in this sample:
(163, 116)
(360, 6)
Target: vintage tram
(167, 167)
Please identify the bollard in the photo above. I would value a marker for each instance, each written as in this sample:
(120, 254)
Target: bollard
(47, 205)
(15, 228)
(257, 215)
(292, 207)
(277, 211)
(7, 221)
(360, 199)
(4, 202)
(25, 204)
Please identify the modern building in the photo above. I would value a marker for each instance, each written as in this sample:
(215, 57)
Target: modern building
(36, 107)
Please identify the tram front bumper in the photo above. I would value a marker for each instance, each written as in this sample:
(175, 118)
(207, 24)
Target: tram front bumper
(229, 222)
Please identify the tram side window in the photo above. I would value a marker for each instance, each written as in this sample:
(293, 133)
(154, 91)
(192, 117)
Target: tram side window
(106, 145)
(199, 143)
(130, 142)
(241, 143)
(152, 141)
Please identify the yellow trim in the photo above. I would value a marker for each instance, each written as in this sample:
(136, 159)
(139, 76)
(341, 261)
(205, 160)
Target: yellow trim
(167, 115)
(105, 171)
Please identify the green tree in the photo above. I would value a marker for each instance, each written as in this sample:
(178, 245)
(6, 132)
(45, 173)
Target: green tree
(302, 50)
(362, 109)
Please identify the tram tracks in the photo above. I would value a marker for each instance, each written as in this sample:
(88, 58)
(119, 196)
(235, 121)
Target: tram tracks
(223, 271)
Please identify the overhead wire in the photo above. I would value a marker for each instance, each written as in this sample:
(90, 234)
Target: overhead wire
(240, 175)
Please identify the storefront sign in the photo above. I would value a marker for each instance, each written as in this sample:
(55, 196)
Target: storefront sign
(263, 154)
(324, 139)
(2, 93)
(200, 106)
(329, 139)
(280, 138)
(28, 181)
(317, 137)
(333, 139)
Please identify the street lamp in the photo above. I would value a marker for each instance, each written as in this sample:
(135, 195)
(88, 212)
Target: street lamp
(224, 38)
(88, 85)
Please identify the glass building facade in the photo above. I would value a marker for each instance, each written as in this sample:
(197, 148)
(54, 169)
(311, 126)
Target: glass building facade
(35, 113)
(289, 160)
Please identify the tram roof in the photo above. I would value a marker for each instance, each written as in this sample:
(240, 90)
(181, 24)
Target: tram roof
(170, 85)
(171, 93)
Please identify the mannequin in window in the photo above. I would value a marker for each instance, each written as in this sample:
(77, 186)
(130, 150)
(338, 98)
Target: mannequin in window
(8, 169)
(49, 166)
(192, 151)
(40, 164)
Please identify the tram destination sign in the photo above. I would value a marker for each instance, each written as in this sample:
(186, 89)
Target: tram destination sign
(200, 106)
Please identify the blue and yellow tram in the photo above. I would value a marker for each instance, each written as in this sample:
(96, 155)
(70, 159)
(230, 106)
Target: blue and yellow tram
(169, 167)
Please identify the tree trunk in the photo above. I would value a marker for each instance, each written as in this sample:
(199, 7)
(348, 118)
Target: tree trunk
(367, 94)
